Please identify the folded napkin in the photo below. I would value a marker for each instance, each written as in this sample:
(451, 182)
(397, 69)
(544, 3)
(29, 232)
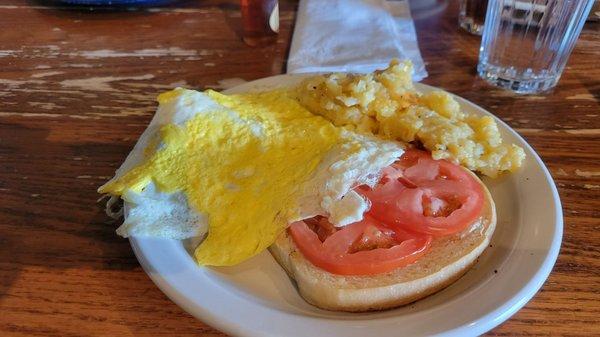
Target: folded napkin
(353, 36)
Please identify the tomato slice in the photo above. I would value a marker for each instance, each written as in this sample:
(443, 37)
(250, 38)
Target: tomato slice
(430, 196)
(416, 199)
(363, 248)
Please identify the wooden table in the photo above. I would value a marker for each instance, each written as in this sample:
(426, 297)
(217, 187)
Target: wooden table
(77, 87)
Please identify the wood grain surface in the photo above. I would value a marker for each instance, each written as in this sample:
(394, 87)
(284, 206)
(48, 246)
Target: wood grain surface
(77, 88)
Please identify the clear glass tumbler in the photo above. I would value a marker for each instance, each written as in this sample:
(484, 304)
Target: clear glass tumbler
(526, 43)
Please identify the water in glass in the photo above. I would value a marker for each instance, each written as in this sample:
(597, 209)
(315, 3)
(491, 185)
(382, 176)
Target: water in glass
(526, 44)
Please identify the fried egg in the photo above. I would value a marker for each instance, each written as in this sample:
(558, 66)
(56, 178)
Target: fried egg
(240, 169)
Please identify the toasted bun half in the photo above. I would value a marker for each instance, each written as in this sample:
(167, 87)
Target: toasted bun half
(446, 261)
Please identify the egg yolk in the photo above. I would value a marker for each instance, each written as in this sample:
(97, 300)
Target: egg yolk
(242, 166)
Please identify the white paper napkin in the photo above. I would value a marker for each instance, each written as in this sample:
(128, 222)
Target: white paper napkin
(353, 36)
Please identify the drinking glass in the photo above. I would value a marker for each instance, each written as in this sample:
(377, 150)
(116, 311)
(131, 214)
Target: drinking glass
(526, 43)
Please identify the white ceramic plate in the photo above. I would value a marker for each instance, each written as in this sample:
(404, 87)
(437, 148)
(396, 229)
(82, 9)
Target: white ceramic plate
(256, 298)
